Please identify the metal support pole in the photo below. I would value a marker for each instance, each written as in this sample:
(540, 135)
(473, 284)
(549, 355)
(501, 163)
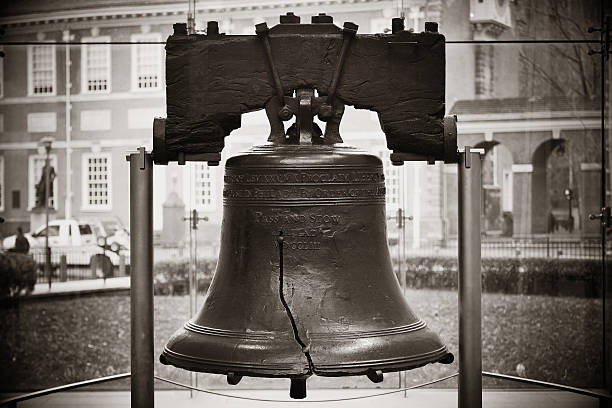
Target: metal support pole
(193, 380)
(470, 343)
(141, 278)
(47, 191)
(67, 37)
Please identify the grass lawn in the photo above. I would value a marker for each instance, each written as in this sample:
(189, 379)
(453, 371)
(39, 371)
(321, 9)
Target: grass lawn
(51, 342)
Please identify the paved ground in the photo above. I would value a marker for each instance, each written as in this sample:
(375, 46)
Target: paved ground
(80, 287)
(413, 399)
(179, 399)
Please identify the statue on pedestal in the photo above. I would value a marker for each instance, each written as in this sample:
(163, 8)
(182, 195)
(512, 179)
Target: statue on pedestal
(40, 187)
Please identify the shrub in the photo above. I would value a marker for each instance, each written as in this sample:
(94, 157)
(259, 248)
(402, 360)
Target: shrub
(17, 273)
(529, 276)
(172, 277)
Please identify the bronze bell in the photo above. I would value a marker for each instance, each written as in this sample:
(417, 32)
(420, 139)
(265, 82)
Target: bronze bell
(304, 284)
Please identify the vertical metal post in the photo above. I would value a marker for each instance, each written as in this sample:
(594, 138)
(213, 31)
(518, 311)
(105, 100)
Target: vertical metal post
(193, 380)
(47, 190)
(67, 37)
(470, 344)
(141, 278)
(63, 268)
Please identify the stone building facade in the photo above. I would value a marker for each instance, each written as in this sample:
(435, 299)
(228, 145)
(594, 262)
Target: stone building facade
(104, 103)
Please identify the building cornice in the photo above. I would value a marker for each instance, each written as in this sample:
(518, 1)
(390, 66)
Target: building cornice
(113, 96)
(168, 10)
(552, 115)
(128, 143)
(532, 125)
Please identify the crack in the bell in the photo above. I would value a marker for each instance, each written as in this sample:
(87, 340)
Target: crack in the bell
(304, 347)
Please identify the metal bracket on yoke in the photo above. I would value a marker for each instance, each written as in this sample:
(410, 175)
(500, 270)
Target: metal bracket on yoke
(162, 156)
(305, 105)
(468, 157)
(398, 159)
(449, 148)
(304, 115)
(142, 157)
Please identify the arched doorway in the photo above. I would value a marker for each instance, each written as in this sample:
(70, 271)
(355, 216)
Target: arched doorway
(554, 195)
(497, 189)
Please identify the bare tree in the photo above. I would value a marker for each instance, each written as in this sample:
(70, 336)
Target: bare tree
(562, 70)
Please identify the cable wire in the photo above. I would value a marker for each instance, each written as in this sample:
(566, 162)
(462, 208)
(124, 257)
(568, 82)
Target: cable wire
(549, 41)
(220, 394)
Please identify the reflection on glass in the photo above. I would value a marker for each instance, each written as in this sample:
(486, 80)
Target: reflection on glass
(539, 126)
(534, 109)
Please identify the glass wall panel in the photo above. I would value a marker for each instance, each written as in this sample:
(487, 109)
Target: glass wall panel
(533, 108)
(539, 124)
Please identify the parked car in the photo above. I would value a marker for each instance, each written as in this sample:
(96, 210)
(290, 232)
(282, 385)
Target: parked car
(77, 240)
(111, 235)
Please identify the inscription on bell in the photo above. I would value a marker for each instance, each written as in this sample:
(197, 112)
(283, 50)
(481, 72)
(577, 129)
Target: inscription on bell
(306, 177)
(302, 230)
(293, 218)
(297, 193)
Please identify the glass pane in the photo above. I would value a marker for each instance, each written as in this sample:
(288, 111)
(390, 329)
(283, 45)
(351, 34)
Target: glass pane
(71, 321)
(533, 108)
(537, 117)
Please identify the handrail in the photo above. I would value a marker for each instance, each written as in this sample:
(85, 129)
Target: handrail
(545, 384)
(219, 394)
(11, 402)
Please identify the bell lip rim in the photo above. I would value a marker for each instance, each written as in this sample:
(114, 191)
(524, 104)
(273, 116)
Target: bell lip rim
(194, 327)
(288, 371)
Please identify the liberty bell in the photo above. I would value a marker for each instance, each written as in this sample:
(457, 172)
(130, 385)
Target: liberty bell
(304, 282)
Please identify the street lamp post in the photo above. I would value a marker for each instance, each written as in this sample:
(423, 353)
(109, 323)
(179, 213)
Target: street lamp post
(569, 195)
(46, 143)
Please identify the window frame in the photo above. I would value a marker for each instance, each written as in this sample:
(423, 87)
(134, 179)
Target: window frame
(30, 63)
(199, 168)
(32, 179)
(85, 65)
(146, 37)
(85, 205)
(392, 180)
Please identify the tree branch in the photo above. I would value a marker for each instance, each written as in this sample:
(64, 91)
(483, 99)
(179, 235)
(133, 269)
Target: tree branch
(543, 74)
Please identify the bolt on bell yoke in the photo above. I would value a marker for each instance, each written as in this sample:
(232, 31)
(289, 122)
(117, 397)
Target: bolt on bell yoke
(304, 282)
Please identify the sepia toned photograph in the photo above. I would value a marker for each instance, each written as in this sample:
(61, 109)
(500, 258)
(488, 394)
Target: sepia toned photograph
(331, 203)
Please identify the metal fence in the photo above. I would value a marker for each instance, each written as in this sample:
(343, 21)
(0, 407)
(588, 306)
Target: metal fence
(69, 264)
(95, 263)
(528, 247)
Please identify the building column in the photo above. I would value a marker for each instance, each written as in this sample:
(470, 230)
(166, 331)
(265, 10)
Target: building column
(589, 198)
(521, 202)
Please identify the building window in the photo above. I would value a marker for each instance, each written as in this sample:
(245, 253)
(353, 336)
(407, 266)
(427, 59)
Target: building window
(2, 188)
(36, 165)
(16, 199)
(393, 187)
(146, 62)
(490, 167)
(204, 187)
(41, 70)
(379, 26)
(392, 184)
(97, 186)
(416, 19)
(96, 65)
